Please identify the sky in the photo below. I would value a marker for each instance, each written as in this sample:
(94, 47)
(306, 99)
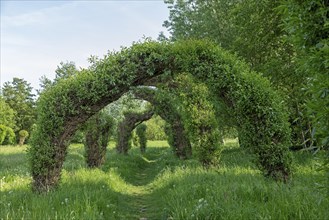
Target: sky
(37, 35)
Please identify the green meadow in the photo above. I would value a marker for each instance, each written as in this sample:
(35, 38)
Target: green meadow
(157, 185)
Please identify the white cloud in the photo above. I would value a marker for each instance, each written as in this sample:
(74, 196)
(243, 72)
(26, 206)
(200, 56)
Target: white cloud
(35, 17)
(33, 43)
(24, 19)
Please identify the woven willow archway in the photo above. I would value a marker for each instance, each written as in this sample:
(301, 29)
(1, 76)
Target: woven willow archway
(261, 118)
(178, 138)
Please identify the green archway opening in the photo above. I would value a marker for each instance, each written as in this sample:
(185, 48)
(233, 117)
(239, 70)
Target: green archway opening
(260, 115)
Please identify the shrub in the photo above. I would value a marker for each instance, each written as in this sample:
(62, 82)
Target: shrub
(3, 131)
(23, 134)
(10, 138)
(7, 135)
(155, 129)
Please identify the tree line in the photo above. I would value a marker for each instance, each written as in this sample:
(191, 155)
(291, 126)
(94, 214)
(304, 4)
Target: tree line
(285, 40)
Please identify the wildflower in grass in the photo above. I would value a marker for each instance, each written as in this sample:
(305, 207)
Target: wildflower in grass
(202, 203)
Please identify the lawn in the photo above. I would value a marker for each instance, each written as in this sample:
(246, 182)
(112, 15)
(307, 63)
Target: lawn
(157, 185)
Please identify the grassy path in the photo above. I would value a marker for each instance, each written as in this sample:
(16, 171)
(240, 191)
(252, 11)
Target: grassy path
(158, 186)
(140, 193)
(140, 204)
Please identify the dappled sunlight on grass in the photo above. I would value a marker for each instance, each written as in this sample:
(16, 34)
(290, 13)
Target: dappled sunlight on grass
(147, 160)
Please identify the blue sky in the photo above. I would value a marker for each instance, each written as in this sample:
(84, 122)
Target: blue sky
(37, 35)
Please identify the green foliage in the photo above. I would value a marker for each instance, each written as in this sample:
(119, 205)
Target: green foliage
(65, 70)
(167, 108)
(155, 129)
(135, 140)
(252, 29)
(3, 132)
(260, 112)
(307, 25)
(10, 137)
(310, 38)
(7, 135)
(78, 137)
(97, 134)
(170, 136)
(7, 114)
(163, 187)
(249, 28)
(18, 95)
(23, 133)
(141, 133)
(126, 103)
(126, 127)
(199, 118)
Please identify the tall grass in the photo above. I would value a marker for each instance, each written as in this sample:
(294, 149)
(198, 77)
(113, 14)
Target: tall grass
(156, 185)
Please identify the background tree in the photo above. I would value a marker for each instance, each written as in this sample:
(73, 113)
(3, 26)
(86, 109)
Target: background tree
(155, 129)
(306, 24)
(63, 71)
(252, 30)
(7, 114)
(7, 135)
(44, 83)
(18, 95)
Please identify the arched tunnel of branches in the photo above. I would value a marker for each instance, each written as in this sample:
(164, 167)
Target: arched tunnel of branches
(126, 126)
(220, 83)
(177, 135)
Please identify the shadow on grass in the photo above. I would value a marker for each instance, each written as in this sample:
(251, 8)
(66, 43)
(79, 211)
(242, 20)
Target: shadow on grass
(74, 161)
(74, 200)
(236, 156)
(92, 194)
(13, 161)
(141, 169)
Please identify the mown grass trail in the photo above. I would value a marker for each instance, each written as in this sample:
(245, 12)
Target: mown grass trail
(157, 185)
(139, 181)
(139, 173)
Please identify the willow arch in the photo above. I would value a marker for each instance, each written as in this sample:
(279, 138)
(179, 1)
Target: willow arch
(260, 114)
(178, 139)
(127, 125)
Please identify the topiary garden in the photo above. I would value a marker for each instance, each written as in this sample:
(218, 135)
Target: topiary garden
(220, 78)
